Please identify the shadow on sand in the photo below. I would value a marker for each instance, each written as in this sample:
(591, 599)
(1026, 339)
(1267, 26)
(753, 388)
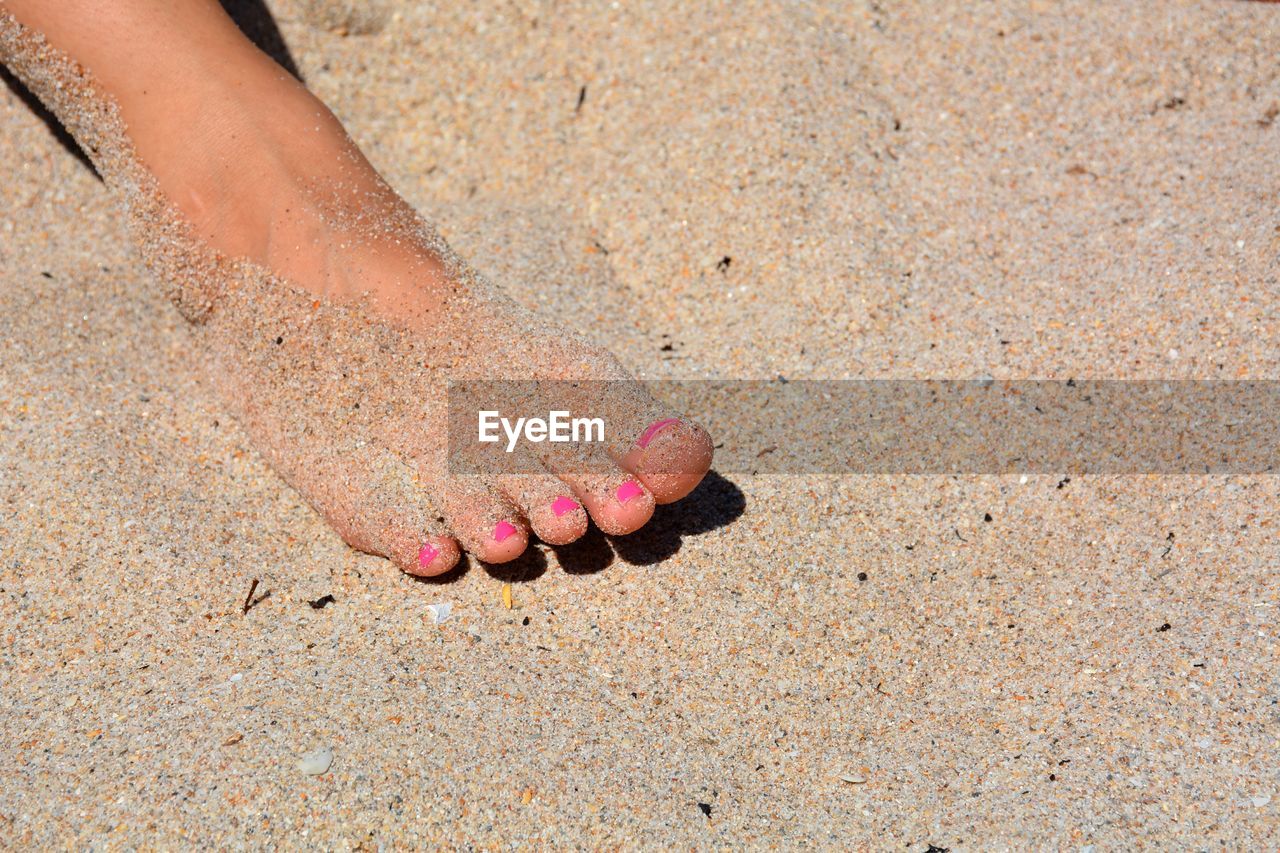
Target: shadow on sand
(716, 503)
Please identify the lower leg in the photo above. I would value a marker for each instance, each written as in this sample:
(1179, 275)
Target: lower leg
(254, 162)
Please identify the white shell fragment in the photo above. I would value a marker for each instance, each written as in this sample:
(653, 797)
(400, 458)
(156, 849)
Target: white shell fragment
(316, 762)
(440, 612)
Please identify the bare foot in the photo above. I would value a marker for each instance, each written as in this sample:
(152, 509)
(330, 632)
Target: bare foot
(331, 315)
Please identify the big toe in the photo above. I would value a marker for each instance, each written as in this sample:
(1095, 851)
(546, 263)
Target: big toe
(670, 457)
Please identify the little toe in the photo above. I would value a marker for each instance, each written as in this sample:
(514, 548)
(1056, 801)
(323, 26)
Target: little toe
(405, 545)
(376, 504)
(436, 555)
(412, 551)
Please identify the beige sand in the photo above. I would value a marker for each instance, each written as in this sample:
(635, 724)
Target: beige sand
(941, 189)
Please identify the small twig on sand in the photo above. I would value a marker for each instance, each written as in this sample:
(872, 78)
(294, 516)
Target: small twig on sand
(248, 599)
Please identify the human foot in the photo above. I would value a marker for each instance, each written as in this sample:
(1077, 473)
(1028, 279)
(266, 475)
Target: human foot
(332, 316)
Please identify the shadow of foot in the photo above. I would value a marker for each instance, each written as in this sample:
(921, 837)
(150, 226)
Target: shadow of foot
(589, 555)
(50, 120)
(715, 503)
(528, 566)
(253, 19)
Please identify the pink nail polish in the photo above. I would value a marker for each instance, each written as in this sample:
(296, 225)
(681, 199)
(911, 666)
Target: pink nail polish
(655, 428)
(562, 505)
(502, 530)
(428, 553)
(629, 490)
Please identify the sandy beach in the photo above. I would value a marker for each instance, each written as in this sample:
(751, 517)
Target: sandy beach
(812, 191)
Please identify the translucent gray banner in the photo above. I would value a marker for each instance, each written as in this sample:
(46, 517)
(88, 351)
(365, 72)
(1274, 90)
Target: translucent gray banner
(885, 426)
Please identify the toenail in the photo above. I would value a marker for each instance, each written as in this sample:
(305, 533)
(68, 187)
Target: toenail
(655, 428)
(562, 505)
(502, 530)
(428, 553)
(629, 490)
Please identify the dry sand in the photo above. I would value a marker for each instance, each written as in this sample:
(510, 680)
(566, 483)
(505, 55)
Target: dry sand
(936, 189)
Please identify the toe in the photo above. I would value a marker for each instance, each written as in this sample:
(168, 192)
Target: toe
(492, 541)
(377, 505)
(416, 553)
(670, 457)
(505, 541)
(549, 505)
(435, 556)
(405, 544)
(617, 501)
(484, 520)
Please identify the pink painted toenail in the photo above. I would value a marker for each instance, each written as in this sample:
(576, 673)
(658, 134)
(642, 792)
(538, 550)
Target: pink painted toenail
(502, 530)
(561, 505)
(629, 490)
(427, 554)
(655, 428)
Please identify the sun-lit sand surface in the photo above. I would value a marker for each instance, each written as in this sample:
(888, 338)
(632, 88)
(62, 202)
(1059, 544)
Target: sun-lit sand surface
(931, 189)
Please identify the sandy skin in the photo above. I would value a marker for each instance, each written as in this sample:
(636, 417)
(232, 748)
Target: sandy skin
(331, 315)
